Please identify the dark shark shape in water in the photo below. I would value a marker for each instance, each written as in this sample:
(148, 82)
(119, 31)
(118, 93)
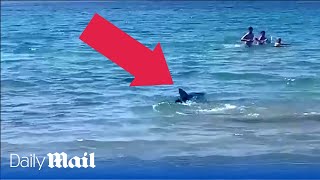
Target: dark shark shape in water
(187, 97)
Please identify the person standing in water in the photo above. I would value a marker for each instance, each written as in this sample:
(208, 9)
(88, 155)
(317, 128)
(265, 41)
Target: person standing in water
(248, 37)
(262, 39)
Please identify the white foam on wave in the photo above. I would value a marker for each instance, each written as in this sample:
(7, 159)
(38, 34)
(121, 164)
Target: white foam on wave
(253, 114)
(189, 103)
(230, 106)
(311, 113)
(232, 45)
(181, 113)
(33, 49)
(219, 109)
(155, 106)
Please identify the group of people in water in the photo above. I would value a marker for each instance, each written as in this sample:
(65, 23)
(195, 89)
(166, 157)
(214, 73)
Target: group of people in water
(249, 39)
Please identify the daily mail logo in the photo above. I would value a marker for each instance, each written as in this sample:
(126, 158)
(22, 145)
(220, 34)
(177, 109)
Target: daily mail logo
(54, 160)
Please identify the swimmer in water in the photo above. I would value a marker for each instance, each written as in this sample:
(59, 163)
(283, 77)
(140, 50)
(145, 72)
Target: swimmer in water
(262, 39)
(248, 37)
(278, 43)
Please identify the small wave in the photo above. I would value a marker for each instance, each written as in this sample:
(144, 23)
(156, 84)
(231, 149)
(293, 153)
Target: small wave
(161, 105)
(17, 83)
(190, 107)
(156, 106)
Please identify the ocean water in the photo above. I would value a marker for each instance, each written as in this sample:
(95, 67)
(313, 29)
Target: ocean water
(262, 103)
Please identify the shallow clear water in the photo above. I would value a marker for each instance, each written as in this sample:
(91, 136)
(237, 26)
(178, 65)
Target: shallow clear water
(58, 94)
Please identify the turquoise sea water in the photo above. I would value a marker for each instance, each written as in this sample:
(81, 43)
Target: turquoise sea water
(58, 94)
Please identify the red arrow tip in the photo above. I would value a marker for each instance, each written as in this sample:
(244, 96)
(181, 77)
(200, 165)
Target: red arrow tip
(156, 73)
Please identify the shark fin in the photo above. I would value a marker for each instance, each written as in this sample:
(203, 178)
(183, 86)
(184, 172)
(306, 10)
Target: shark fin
(183, 95)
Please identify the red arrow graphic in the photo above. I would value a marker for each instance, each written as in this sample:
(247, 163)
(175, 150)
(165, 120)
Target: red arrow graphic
(147, 66)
